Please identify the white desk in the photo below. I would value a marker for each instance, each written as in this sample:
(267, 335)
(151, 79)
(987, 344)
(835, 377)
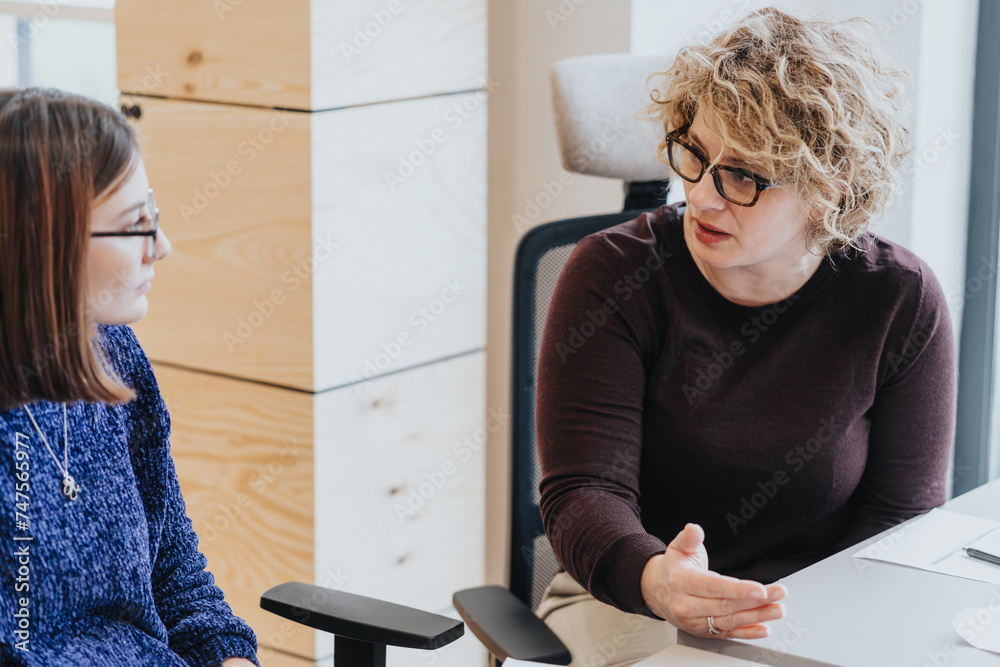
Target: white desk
(851, 612)
(672, 656)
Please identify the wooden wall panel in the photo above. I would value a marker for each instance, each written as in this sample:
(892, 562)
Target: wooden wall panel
(315, 229)
(378, 50)
(233, 188)
(400, 493)
(221, 51)
(407, 242)
(244, 458)
(300, 54)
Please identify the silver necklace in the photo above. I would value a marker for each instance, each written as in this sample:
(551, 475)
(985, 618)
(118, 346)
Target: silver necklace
(70, 488)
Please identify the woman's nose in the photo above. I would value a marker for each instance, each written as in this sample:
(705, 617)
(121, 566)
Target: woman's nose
(704, 194)
(163, 246)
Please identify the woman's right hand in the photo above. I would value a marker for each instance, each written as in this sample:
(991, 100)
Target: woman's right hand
(679, 587)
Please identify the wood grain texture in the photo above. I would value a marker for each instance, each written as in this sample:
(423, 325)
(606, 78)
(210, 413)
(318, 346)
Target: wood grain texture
(225, 51)
(300, 54)
(405, 239)
(400, 485)
(233, 188)
(244, 458)
(388, 503)
(303, 269)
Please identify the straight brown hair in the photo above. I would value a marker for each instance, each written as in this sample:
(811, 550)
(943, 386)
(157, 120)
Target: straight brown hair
(60, 155)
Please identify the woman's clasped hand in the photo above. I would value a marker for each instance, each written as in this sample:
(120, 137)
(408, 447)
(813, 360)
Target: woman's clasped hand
(678, 587)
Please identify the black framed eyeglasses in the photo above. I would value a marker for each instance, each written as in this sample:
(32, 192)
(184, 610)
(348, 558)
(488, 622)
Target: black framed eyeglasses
(148, 225)
(734, 184)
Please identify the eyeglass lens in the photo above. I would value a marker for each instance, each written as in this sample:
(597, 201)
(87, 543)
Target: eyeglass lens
(736, 187)
(154, 216)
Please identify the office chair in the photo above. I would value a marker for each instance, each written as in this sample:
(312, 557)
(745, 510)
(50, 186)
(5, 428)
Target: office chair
(362, 626)
(591, 94)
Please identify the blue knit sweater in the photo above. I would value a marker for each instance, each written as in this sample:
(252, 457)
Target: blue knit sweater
(114, 577)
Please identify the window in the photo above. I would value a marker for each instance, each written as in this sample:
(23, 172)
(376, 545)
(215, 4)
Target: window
(68, 45)
(978, 437)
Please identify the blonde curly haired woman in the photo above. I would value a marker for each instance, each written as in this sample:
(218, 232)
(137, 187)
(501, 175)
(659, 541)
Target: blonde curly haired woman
(774, 383)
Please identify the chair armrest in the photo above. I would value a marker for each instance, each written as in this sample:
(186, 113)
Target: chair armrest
(507, 627)
(360, 618)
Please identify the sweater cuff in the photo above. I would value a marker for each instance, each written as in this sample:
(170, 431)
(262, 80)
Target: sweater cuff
(214, 650)
(617, 577)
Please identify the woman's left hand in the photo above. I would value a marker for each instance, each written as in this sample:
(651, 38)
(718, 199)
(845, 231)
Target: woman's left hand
(237, 662)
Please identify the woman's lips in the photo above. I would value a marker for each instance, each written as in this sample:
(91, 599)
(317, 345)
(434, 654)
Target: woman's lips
(707, 234)
(711, 228)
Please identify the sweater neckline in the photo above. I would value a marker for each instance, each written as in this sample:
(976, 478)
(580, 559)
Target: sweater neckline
(808, 291)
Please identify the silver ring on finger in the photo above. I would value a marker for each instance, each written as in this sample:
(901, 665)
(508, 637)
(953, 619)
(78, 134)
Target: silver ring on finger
(712, 630)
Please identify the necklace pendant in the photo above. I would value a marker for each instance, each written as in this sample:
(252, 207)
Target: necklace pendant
(70, 488)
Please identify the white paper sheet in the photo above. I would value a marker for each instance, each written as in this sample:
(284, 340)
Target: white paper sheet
(934, 542)
(980, 626)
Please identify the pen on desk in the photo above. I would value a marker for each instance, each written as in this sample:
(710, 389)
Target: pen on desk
(982, 555)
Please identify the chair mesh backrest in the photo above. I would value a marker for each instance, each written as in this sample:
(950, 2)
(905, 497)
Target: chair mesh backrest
(540, 257)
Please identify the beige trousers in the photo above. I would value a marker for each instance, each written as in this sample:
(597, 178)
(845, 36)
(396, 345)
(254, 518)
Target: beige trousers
(597, 634)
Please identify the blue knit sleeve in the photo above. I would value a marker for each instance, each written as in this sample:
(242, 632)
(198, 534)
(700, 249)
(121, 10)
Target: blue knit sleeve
(202, 628)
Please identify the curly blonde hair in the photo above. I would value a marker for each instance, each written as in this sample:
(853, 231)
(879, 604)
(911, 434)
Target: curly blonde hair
(805, 103)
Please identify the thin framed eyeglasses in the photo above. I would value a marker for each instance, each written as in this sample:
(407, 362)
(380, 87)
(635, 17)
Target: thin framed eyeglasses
(734, 184)
(148, 225)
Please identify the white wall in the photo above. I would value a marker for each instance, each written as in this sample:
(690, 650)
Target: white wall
(935, 40)
(526, 38)
(8, 51)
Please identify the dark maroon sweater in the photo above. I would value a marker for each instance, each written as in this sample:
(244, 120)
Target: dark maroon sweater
(788, 432)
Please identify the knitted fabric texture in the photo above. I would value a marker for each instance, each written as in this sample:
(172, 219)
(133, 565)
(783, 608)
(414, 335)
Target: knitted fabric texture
(114, 577)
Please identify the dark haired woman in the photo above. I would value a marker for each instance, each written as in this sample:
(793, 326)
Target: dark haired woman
(101, 564)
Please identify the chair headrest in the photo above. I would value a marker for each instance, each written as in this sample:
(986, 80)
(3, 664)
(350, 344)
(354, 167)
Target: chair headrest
(596, 100)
